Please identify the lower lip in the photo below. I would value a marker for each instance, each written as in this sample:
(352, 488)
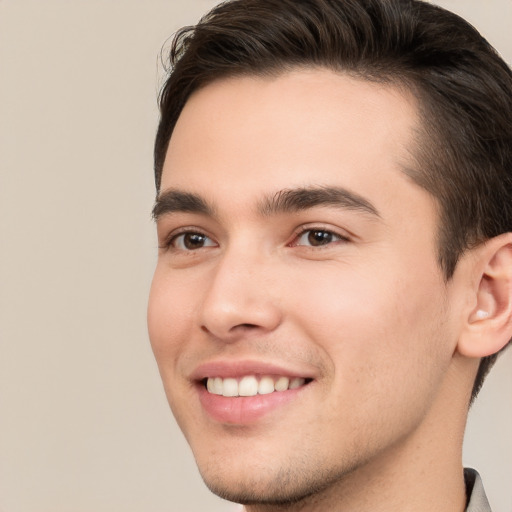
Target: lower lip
(243, 410)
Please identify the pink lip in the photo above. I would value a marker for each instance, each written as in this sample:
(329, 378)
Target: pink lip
(235, 369)
(244, 410)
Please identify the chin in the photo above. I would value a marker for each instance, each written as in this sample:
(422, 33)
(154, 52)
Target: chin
(270, 486)
(251, 493)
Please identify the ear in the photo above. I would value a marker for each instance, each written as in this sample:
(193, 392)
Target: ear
(488, 327)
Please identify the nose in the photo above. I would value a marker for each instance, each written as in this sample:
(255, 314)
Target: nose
(240, 299)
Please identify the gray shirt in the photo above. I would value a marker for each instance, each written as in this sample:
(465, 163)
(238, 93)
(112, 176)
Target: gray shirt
(477, 500)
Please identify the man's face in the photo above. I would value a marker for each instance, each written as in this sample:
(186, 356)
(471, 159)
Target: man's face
(294, 251)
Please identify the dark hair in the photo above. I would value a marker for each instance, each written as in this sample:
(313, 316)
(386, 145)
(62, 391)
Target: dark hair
(464, 90)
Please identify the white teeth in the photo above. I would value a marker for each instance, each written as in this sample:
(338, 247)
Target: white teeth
(248, 386)
(230, 387)
(297, 383)
(251, 386)
(217, 385)
(266, 386)
(282, 384)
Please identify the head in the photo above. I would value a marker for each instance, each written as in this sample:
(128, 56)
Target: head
(463, 155)
(333, 190)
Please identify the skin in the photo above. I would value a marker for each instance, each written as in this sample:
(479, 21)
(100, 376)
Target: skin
(367, 315)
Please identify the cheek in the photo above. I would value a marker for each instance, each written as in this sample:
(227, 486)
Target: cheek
(169, 315)
(381, 328)
(383, 341)
(169, 327)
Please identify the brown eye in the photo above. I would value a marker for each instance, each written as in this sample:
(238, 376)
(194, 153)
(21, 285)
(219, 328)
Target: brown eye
(192, 241)
(317, 238)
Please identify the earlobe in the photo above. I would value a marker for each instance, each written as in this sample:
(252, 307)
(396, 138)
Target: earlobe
(489, 325)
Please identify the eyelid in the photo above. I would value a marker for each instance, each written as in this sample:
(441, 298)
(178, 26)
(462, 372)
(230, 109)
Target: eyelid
(301, 230)
(175, 233)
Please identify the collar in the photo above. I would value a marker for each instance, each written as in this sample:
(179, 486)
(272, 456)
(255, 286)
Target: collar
(477, 500)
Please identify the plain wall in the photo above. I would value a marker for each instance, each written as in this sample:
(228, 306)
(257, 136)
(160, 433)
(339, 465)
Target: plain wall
(84, 424)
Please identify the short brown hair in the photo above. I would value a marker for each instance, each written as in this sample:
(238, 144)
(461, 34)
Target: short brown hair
(464, 90)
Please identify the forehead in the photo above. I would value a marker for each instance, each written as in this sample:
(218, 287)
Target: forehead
(304, 127)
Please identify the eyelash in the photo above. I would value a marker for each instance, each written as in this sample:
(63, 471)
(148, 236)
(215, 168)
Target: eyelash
(319, 229)
(171, 241)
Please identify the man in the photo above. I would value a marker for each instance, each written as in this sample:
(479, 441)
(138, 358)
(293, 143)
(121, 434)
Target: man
(334, 278)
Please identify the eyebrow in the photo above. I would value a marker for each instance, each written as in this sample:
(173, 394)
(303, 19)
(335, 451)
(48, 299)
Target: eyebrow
(175, 201)
(284, 201)
(299, 199)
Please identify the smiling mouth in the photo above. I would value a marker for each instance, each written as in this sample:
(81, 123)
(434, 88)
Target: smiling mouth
(252, 385)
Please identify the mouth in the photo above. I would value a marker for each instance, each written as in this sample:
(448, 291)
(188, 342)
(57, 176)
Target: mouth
(252, 385)
(244, 392)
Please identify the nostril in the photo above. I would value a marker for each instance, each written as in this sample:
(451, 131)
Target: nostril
(234, 329)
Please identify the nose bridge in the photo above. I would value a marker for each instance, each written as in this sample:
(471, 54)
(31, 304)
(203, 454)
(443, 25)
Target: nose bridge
(239, 294)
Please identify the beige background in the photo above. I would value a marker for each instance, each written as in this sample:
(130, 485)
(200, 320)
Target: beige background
(84, 425)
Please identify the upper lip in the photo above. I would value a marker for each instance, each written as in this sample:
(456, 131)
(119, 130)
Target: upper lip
(239, 368)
